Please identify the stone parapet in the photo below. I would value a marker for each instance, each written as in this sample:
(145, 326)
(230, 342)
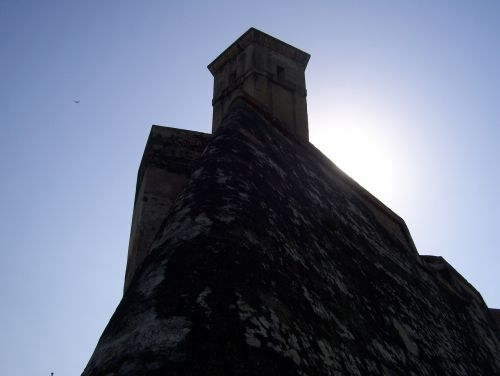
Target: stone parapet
(169, 158)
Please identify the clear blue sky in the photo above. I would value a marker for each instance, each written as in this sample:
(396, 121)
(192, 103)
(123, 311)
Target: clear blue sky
(404, 95)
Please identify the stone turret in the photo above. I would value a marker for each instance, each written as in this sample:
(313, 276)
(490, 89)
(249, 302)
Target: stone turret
(267, 71)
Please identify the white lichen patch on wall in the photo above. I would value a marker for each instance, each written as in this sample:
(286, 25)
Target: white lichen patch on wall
(145, 331)
(201, 300)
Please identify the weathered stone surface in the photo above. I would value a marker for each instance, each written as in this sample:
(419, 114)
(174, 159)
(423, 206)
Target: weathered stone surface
(271, 261)
(496, 316)
(169, 158)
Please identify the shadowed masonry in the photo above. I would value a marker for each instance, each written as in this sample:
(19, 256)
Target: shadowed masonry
(252, 254)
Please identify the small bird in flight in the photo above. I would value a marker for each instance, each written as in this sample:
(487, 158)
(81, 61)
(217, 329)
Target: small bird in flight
(77, 102)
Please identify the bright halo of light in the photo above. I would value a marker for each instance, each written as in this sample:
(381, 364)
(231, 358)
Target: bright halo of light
(356, 139)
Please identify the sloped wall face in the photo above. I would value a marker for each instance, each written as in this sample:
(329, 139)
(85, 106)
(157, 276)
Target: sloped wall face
(271, 262)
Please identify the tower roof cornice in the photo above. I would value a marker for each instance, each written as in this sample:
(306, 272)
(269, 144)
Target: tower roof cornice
(253, 35)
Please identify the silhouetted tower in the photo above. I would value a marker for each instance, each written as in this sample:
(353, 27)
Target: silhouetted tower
(251, 253)
(267, 71)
